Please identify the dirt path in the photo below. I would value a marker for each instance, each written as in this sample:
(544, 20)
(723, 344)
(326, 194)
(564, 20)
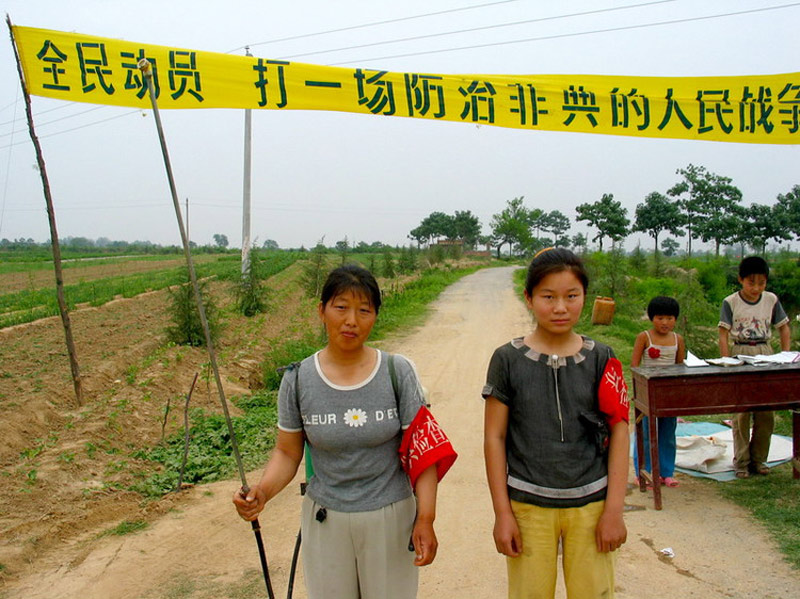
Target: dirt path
(200, 549)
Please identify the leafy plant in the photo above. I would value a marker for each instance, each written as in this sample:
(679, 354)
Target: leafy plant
(388, 270)
(251, 293)
(186, 328)
(209, 456)
(315, 270)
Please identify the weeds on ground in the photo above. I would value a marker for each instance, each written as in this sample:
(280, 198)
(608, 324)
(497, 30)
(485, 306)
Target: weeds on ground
(125, 527)
(209, 458)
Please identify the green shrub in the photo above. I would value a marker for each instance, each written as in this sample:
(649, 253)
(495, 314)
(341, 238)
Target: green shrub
(186, 328)
(250, 291)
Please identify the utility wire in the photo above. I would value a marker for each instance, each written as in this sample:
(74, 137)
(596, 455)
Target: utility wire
(482, 28)
(576, 34)
(118, 116)
(365, 25)
(8, 171)
(227, 207)
(69, 116)
(61, 106)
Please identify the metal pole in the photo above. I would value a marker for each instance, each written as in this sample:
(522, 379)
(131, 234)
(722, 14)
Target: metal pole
(248, 158)
(147, 72)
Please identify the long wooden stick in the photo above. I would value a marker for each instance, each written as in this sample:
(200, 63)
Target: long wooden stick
(51, 216)
(186, 433)
(147, 73)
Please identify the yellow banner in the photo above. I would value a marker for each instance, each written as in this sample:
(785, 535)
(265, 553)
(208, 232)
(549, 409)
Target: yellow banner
(761, 109)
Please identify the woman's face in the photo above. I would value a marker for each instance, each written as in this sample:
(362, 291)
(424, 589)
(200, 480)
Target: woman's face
(348, 319)
(557, 302)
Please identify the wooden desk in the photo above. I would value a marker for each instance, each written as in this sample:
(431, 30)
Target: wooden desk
(682, 391)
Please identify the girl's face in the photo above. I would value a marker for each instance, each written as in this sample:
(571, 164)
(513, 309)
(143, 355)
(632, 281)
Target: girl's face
(663, 323)
(348, 319)
(557, 302)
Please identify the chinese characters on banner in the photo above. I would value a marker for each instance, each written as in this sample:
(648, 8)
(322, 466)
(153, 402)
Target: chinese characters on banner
(761, 109)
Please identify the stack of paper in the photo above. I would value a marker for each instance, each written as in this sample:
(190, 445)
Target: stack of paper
(726, 361)
(785, 357)
(692, 361)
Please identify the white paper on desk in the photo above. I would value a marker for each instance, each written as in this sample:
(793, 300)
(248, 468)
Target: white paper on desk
(725, 361)
(785, 357)
(757, 360)
(693, 361)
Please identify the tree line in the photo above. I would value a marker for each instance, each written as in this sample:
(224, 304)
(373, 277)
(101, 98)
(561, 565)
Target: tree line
(702, 205)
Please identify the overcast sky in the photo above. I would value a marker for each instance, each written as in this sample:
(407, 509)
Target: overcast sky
(374, 178)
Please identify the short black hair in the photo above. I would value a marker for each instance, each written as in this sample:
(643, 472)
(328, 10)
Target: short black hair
(553, 260)
(663, 305)
(351, 277)
(753, 265)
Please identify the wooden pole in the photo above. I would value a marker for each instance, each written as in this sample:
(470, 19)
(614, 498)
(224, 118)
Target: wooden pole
(147, 73)
(51, 216)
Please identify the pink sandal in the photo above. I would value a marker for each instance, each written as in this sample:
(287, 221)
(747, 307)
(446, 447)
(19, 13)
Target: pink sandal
(669, 481)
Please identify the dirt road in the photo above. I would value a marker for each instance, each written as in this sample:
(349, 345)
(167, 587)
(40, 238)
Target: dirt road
(200, 549)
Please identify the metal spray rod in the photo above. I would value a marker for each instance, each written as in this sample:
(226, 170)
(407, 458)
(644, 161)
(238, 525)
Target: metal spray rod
(147, 72)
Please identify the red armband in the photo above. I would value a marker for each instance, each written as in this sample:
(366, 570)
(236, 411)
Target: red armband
(424, 444)
(612, 394)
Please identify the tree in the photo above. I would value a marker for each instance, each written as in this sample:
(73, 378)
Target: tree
(466, 227)
(388, 270)
(608, 216)
(420, 234)
(270, 244)
(658, 214)
(537, 220)
(252, 295)
(579, 242)
(670, 246)
(708, 204)
(555, 222)
(186, 327)
(511, 226)
(788, 207)
(221, 240)
(314, 270)
(762, 223)
(343, 247)
(407, 263)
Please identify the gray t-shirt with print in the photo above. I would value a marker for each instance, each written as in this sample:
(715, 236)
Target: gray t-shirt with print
(354, 432)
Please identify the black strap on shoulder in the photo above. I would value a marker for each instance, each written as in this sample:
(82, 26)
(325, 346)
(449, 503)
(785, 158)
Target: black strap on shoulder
(393, 376)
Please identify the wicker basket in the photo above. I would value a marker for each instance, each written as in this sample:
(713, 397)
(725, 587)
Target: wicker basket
(603, 310)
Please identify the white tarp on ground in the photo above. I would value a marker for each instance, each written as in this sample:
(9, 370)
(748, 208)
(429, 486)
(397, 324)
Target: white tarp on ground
(714, 453)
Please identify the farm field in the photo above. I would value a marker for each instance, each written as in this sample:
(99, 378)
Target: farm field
(65, 467)
(40, 274)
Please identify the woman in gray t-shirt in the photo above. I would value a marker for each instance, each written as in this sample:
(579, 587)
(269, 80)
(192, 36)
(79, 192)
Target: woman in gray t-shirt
(359, 512)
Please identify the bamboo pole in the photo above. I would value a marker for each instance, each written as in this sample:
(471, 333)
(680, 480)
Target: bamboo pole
(51, 217)
(147, 73)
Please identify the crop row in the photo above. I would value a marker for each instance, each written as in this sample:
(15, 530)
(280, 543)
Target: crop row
(32, 304)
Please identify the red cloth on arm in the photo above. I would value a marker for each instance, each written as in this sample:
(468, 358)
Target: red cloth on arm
(612, 394)
(424, 444)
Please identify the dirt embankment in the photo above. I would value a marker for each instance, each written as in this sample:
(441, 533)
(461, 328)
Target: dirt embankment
(197, 548)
